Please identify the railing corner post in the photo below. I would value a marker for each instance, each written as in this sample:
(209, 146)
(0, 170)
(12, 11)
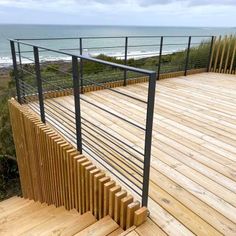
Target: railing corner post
(39, 83)
(148, 137)
(126, 60)
(81, 65)
(16, 75)
(76, 88)
(160, 55)
(187, 56)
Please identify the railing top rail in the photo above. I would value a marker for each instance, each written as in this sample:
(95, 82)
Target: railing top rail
(112, 64)
(112, 37)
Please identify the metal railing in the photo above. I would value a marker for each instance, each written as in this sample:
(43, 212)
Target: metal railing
(128, 162)
(36, 78)
(187, 52)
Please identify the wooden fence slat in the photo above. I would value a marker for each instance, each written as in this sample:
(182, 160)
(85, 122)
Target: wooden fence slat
(107, 187)
(91, 184)
(101, 183)
(140, 216)
(232, 60)
(95, 193)
(123, 210)
(224, 42)
(217, 54)
(131, 208)
(227, 54)
(118, 197)
(87, 186)
(212, 54)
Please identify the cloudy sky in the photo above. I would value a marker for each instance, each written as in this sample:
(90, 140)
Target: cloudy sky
(120, 12)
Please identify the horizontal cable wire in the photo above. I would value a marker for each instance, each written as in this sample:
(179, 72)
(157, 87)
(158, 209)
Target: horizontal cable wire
(106, 144)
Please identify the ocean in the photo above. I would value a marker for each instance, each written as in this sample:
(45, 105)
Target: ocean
(55, 31)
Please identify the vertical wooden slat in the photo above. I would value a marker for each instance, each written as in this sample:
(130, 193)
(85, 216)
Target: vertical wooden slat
(227, 54)
(83, 166)
(212, 54)
(112, 193)
(79, 177)
(101, 183)
(107, 187)
(95, 193)
(131, 208)
(87, 186)
(123, 210)
(118, 197)
(217, 53)
(140, 216)
(91, 184)
(233, 56)
(75, 181)
(224, 42)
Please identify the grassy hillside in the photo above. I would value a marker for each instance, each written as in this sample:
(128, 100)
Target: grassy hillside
(9, 178)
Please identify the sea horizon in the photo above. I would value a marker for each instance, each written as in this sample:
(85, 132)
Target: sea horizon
(69, 30)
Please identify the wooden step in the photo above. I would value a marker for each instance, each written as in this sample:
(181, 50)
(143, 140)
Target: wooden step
(31, 218)
(29, 221)
(11, 203)
(20, 212)
(68, 223)
(103, 227)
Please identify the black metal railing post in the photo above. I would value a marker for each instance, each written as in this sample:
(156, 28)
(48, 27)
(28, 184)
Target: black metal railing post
(210, 53)
(39, 83)
(19, 54)
(22, 84)
(148, 137)
(126, 60)
(187, 56)
(76, 87)
(160, 54)
(81, 65)
(16, 75)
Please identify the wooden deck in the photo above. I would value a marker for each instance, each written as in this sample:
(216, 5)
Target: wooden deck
(193, 166)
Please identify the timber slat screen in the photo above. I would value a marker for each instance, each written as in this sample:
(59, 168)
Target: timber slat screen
(52, 171)
(127, 162)
(223, 59)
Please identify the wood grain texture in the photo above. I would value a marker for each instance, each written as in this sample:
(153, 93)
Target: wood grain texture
(52, 171)
(193, 153)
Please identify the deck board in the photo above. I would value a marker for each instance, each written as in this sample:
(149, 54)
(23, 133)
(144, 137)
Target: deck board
(193, 166)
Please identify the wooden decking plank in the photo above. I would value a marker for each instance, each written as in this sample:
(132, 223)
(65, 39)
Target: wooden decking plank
(194, 147)
(102, 227)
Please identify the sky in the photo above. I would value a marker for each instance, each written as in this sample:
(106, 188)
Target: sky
(206, 13)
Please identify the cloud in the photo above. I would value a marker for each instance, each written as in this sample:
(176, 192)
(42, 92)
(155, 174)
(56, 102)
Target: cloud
(139, 3)
(124, 12)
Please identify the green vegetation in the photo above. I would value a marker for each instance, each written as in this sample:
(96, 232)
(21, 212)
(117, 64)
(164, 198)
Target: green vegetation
(57, 75)
(9, 179)
(228, 45)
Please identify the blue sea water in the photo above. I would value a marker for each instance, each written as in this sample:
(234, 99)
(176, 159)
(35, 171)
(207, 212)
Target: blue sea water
(44, 31)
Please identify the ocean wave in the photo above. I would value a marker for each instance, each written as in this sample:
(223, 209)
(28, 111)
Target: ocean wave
(138, 54)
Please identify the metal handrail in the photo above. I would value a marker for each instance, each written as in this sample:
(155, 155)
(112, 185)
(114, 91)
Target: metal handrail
(112, 64)
(78, 78)
(113, 37)
(22, 87)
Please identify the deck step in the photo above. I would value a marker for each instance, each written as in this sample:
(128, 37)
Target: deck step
(24, 217)
(103, 227)
(11, 202)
